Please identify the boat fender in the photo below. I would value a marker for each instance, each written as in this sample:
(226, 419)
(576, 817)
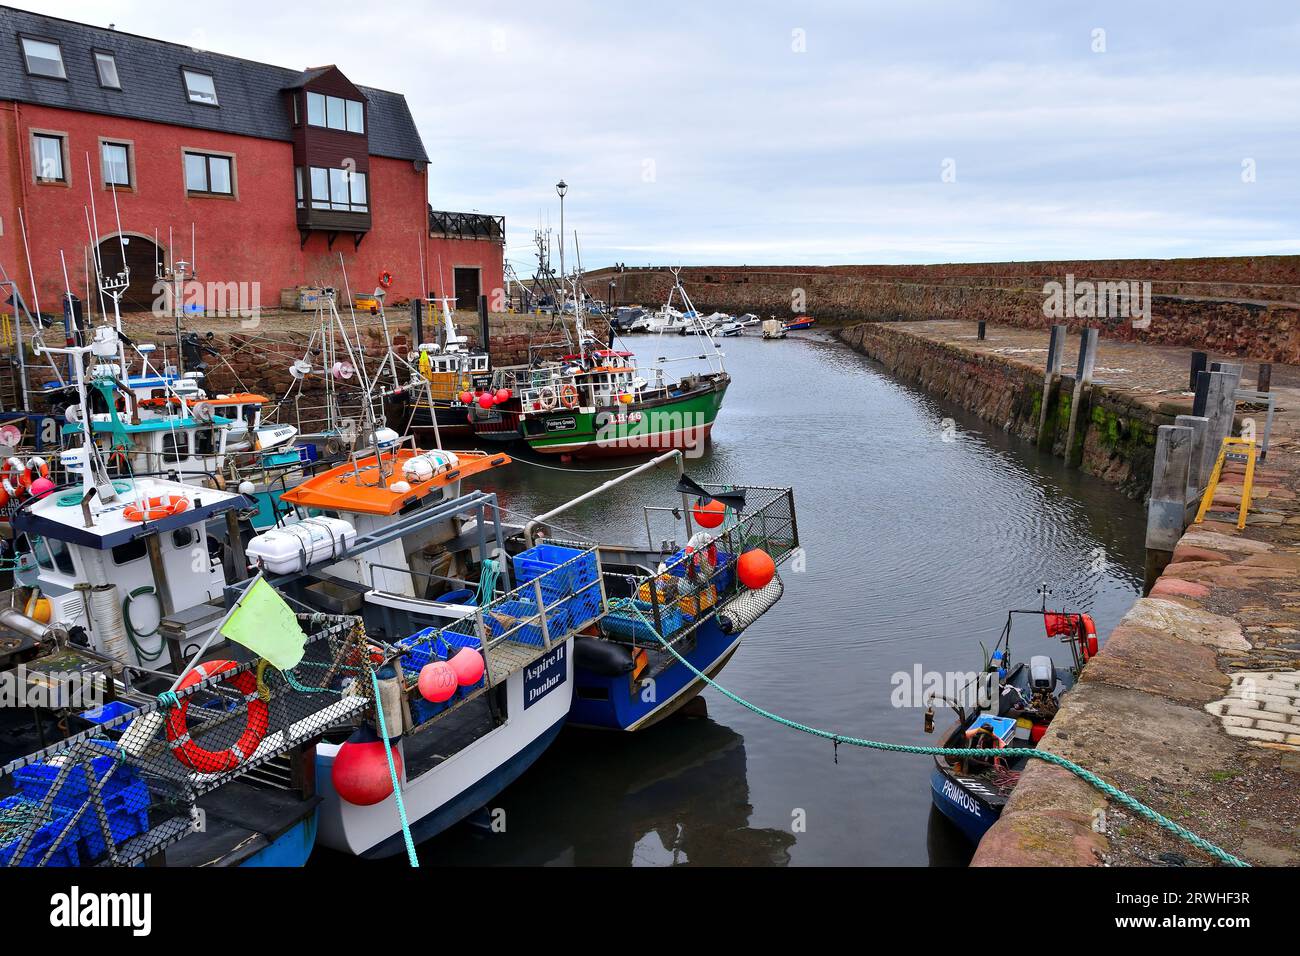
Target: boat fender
(601, 657)
(748, 606)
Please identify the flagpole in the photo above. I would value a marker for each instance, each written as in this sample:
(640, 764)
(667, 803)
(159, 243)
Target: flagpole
(212, 635)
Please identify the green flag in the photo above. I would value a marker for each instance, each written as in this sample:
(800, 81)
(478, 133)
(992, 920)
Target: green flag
(267, 626)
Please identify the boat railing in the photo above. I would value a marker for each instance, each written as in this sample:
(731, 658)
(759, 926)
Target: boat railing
(690, 587)
(127, 788)
(513, 629)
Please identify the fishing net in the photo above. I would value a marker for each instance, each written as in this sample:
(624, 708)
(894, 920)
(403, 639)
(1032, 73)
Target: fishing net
(127, 788)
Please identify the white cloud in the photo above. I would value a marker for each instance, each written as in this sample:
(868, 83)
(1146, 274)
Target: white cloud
(830, 155)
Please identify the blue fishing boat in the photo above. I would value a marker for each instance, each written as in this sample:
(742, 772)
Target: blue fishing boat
(670, 617)
(1006, 706)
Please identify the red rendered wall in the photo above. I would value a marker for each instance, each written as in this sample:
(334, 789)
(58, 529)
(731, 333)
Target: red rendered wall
(251, 238)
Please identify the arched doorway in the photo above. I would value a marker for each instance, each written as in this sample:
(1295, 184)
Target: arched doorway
(142, 256)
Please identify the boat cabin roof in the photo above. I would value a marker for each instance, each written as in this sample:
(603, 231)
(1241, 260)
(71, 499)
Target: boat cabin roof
(159, 424)
(58, 514)
(355, 489)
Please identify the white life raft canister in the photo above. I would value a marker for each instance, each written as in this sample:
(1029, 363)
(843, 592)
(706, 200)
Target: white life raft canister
(297, 546)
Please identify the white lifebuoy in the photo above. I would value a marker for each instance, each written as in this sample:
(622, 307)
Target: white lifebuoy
(547, 397)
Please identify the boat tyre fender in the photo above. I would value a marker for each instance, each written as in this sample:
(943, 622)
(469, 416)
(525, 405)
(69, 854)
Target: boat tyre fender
(185, 750)
(569, 396)
(601, 657)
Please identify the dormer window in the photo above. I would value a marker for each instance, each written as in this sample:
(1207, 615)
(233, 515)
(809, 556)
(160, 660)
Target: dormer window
(43, 58)
(335, 112)
(200, 88)
(106, 67)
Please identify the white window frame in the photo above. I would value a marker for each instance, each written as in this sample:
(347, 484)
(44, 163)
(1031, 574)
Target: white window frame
(27, 63)
(186, 73)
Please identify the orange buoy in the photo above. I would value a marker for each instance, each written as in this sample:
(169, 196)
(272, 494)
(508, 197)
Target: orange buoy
(468, 665)
(755, 569)
(709, 514)
(438, 682)
(360, 772)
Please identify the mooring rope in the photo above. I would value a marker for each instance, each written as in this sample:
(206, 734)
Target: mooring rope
(1086, 775)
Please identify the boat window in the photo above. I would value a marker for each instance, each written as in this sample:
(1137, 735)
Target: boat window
(182, 538)
(205, 441)
(57, 556)
(131, 551)
(175, 446)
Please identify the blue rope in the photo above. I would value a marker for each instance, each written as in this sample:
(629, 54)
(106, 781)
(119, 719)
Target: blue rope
(392, 772)
(1086, 775)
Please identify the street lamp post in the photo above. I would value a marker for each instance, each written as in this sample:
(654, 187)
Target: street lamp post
(561, 187)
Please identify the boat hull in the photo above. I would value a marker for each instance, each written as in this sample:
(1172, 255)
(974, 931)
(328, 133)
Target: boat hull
(678, 422)
(610, 702)
(463, 782)
(970, 812)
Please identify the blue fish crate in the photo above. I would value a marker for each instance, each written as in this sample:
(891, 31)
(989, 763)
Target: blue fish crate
(46, 835)
(35, 781)
(563, 571)
(128, 816)
(454, 641)
(510, 616)
(583, 607)
(426, 646)
(623, 622)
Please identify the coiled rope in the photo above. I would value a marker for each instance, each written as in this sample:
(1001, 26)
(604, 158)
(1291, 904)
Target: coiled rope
(1114, 793)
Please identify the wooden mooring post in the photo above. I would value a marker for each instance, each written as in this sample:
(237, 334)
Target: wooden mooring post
(1167, 509)
(1051, 382)
(1200, 362)
(983, 328)
(1080, 405)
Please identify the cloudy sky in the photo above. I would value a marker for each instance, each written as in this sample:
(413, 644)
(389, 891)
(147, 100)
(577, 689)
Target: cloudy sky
(759, 132)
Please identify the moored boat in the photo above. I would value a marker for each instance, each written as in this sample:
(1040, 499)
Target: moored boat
(1014, 702)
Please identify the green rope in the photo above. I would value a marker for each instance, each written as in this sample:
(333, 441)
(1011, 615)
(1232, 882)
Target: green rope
(487, 582)
(1086, 775)
(392, 772)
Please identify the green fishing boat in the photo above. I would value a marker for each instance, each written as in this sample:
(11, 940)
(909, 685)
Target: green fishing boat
(596, 404)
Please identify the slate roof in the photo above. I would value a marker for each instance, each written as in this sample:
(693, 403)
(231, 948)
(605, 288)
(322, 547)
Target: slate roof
(249, 93)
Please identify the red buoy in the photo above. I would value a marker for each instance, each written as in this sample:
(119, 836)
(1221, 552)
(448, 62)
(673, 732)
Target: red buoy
(486, 400)
(710, 514)
(360, 771)
(755, 569)
(466, 397)
(438, 682)
(503, 394)
(468, 665)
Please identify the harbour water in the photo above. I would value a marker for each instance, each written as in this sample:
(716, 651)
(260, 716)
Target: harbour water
(921, 527)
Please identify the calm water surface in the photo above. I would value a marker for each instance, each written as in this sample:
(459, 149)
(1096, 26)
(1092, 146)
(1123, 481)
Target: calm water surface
(922, 527)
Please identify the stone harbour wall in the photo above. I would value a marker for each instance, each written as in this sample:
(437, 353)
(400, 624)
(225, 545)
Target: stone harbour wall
(1247, 306)
(1114, 439)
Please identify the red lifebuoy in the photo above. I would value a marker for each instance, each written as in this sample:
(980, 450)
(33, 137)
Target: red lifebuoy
(385, 278)
(568, 396)
(161, 507)
(215, 761)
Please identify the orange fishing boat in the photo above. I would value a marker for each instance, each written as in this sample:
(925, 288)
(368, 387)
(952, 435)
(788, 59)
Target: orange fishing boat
(386, 484)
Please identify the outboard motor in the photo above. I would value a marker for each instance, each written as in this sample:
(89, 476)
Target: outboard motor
(1042, 674)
